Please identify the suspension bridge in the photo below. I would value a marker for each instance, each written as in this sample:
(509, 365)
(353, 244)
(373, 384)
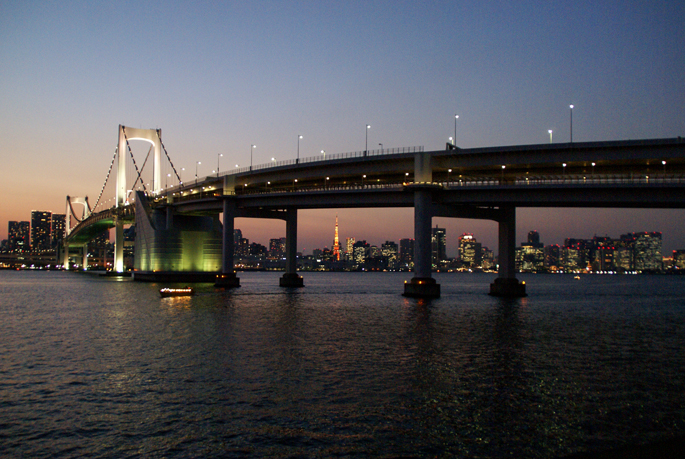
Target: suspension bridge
(179, 235)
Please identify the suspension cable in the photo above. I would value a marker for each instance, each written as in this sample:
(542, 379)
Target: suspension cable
(134, 161)
(167, 156)
(107, 178)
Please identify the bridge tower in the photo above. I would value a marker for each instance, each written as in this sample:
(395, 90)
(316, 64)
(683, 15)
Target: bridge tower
(153, 136)
(69, 214)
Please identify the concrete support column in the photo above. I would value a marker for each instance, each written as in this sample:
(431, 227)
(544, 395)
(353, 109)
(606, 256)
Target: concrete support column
(227, 278)
(84, 261)
(506, 284)
(291, 278)
(422, 284)
(119, 246)
(65, 255)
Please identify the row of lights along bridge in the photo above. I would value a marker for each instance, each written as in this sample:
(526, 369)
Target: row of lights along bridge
(452, 140)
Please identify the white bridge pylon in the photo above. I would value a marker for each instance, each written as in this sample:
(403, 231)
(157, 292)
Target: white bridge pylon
(70, 211)
(154, 136)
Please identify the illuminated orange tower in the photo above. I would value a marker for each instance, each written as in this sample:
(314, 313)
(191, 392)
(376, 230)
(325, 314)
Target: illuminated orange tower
(336, 243)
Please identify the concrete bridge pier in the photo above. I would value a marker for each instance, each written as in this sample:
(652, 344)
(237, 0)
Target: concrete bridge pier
(291, 278)
(65, 255)
(506, 285)
(422, 285)
(84, 256)
(227, 277)
(119, 246)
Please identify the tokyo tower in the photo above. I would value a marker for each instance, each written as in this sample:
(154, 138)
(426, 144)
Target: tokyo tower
(336, 243)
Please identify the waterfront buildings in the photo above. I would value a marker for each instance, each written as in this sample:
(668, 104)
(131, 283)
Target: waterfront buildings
(41, 226)
(19, 237)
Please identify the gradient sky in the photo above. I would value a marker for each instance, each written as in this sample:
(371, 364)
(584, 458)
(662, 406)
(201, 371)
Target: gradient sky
(220, 76)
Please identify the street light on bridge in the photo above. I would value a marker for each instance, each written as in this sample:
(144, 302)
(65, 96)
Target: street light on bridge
(454, 142)
(550, 136)
(217, 163)
(381, 147)
(571, 107)
(298, 149)
(366, 147)
(196, 164)
(323, 152)
(252, 147)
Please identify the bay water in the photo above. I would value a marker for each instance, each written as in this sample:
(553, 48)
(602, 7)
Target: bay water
(344, 367)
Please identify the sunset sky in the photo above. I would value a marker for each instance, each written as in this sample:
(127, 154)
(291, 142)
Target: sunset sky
(217, 77)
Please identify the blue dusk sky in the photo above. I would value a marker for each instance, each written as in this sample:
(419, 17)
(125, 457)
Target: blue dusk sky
(217, 77)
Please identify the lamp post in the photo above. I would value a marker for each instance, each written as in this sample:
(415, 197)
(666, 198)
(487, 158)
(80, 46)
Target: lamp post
(454, 142)
(180, 178)
(663, 163)
(449, 171)
(381, 147)
(217, 163)
(550, 136)
(451, 140)
(593, 168)
(363, 177)
(366, 147)
(294, 182)
(503, 167)
(252, 147)
(323, 152)
(571, 108)
(196, 164)
(563, 170)
(326, 184)
(298, 149)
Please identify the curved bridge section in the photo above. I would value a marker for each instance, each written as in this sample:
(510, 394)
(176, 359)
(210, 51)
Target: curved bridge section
(484, 183)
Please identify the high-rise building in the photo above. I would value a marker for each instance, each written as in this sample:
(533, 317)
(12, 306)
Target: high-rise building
(277, 248)
(349, 248)
(18, 236)
(470, 254)
(41, 223)
(553, 257)
(406, 254)
(647, 251)
(389, 251)
(439, 245)
(530, 256)
(59, 227)
(360, 251)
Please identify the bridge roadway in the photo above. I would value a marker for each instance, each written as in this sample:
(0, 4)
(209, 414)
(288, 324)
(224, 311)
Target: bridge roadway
(485, 183)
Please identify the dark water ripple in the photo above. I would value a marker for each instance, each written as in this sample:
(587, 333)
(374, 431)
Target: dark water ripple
(344, 367)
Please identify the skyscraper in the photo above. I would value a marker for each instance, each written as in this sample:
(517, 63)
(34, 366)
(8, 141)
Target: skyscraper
(41, 222)
(389, 251)
(19, 236)
(469, 250)
(647, 251)
(59, 222)
(406, 253)
(439, 245)
(349, 248)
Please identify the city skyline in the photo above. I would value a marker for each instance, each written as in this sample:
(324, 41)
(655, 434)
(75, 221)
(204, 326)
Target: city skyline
(219, 79)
